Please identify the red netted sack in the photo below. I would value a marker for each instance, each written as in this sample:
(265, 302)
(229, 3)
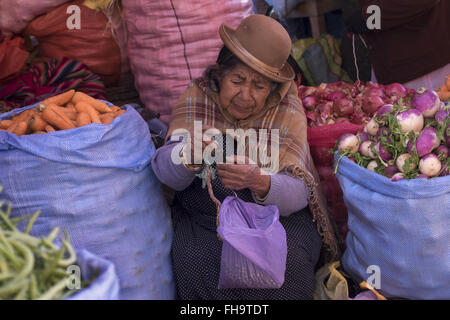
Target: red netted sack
(321, 140)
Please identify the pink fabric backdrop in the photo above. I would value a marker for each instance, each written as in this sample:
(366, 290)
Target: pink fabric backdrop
(171, 42)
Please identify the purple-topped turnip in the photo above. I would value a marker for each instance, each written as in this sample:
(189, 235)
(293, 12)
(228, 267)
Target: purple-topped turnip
(385, 155)
(365, 148)
(395, 90)
(441, 116)
(427, 102)
(442, 151)
(390, 171)
(397, 177)
(427, 141)
(410, 120)
(383, 110)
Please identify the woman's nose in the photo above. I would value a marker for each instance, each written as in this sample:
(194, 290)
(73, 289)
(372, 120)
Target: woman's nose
(245, 93)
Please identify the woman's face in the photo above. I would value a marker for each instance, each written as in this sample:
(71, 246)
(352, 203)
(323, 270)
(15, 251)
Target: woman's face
(243, 92)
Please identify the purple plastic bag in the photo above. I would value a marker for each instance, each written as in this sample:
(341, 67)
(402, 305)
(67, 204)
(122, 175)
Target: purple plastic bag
(254, 248)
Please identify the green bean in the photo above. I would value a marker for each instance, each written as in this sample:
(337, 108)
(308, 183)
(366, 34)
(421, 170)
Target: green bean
(53, 264)
(23, 237)
(54, 290)
(34, 290)
(11, 256)
(22, 295)
(72, 256)
(29, 260)
(6, 221)
(31, 221)
(51, 237)
(6, 242)
(5, 275)
(11, 287)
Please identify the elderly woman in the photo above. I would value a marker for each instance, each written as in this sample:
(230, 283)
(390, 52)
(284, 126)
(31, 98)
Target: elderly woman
(250, 87)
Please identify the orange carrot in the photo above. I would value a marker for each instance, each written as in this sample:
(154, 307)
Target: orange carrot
(49, 128)
(83, 106)
(114, 108)
(37, 123)
(107, 118)
(83, 119)
(39, 132)
(57, 118)
(60, 99)
(21, 128)
(4, 124)
(98, 105)
(447, 82)
(120, 112)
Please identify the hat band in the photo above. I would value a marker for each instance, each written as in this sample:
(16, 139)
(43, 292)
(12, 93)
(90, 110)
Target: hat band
(247, 54)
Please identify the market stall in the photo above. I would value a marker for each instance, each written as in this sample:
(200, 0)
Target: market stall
(84, 110)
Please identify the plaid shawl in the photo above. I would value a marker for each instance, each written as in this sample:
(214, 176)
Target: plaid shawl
(283, 110)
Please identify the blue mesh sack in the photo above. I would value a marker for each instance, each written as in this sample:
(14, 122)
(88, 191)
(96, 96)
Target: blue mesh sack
(96, 183)
(254, 248)
(105, 283)
(400, 227)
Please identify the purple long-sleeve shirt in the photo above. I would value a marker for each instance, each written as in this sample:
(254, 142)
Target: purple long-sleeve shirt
(287, 193)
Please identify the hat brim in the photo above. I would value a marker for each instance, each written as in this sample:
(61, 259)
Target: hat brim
(228, 37)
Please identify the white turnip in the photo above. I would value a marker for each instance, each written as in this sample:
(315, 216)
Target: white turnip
(372, 165)
(401, 160)
(430, 165)
(348, 142)
(372, 127)
(365, 149)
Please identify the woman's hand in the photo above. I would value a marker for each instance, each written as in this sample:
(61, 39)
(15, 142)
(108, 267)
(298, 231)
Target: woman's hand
(240, 176)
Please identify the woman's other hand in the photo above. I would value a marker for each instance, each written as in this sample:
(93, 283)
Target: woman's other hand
(240, 172)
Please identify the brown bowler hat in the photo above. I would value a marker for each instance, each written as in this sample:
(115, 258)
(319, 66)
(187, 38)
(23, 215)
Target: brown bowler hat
(262, 44)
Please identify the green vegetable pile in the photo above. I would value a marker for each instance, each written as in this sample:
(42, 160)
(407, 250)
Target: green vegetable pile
(30, 267)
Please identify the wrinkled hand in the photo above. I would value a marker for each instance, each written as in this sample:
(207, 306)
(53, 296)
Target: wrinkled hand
(238, 176)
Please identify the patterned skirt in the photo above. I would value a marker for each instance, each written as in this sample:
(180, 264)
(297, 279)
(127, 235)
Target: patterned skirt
(196, 249)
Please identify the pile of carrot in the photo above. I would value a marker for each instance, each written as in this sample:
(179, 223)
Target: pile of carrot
(65, 111)
(444, 90)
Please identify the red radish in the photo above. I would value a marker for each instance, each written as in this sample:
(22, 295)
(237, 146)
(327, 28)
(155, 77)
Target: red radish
(348, 142)
(395, 90)
(372, 103)
(401, 160)
(427, 102)
(309, 102)
(333, 96)
(372, 165)
(342, 120)
(397, 177)
(372, 127)
(430, 165)
(427, 141)
(410, 120)
(343, 107)
(325, 108)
